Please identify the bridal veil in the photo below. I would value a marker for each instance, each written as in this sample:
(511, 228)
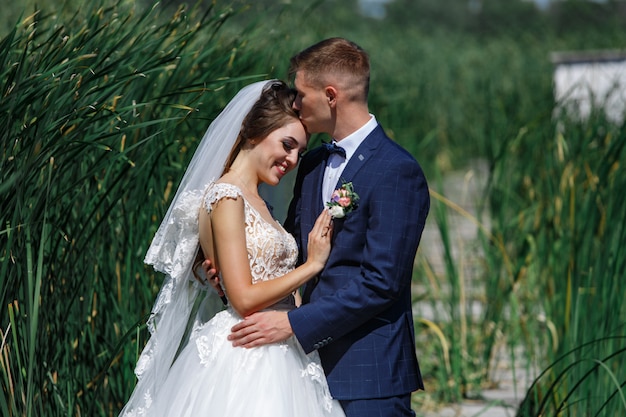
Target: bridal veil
(174, 249)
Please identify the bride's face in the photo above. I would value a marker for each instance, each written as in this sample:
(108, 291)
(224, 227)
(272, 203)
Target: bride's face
(280, 151)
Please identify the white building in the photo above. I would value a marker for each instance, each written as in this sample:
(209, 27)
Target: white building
(591, 79)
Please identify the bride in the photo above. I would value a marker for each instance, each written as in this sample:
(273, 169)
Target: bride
(192, 369)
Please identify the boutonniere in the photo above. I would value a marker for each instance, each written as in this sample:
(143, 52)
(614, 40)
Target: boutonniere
(343, 201)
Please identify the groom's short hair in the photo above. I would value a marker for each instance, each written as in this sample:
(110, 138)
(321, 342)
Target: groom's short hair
(338, 59)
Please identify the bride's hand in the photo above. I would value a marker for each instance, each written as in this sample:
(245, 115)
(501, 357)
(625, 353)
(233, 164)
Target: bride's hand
(318, 248)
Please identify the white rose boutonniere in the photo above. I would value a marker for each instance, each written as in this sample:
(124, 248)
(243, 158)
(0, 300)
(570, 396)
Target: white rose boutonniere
(343, 201)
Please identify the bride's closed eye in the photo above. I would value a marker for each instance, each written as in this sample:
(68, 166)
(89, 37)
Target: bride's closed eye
(291, 144)
(288, 145)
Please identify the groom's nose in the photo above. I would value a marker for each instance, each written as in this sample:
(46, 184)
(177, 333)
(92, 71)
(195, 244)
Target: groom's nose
(297, 104)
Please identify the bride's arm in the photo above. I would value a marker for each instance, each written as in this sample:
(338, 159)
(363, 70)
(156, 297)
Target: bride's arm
(229, 237)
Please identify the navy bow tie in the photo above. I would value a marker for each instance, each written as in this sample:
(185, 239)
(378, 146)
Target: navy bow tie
(332, 148)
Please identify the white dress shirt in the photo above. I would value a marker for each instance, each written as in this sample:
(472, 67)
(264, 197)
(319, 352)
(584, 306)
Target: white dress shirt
(336, 163)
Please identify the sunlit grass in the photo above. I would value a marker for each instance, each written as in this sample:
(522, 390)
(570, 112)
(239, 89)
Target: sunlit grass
(102, 110)
(554, 200)
(97, 115)
(549, 275)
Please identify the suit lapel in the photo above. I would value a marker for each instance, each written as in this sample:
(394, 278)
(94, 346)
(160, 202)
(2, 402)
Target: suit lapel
(364, 152)
(311, 198)
(312, 195)
(313, 187)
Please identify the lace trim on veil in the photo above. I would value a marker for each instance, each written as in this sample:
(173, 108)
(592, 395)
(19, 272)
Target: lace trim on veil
(173, 255)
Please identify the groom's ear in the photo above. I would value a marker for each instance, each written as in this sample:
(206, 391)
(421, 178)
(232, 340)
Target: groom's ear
(331, 95)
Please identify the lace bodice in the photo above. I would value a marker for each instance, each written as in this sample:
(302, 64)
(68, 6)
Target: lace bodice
(272, 251)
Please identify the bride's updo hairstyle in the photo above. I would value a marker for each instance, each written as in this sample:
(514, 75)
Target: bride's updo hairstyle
(271, 111)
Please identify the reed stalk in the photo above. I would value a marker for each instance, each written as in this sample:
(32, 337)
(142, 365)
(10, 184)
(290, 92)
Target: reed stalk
(101, 114)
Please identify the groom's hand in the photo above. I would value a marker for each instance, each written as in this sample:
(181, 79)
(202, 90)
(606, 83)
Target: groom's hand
(261, 328)
(213, 278)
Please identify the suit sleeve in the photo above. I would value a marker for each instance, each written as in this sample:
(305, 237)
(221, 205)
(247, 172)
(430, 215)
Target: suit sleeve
(396, 214)
(293, 213)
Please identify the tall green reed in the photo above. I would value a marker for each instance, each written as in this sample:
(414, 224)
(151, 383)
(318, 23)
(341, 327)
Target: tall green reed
(469, 337)
(554, 201)
(444, 96)
(99, 115)
(548, 276)
(473, 103)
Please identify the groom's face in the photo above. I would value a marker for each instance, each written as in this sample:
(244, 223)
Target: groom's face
(312, 105)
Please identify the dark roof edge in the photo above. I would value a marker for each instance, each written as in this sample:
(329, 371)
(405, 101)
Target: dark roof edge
(590, 56)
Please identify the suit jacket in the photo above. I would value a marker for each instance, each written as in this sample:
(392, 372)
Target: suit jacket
(357, 314)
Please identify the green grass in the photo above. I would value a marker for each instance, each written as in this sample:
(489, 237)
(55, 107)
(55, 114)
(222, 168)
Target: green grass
(102, 109)
(549, 274)
(564, 222)
(99, 116)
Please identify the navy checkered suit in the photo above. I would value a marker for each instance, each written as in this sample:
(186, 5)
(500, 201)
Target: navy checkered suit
(358, 313)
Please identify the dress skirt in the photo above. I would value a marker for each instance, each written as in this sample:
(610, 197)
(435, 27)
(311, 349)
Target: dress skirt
(212, 378)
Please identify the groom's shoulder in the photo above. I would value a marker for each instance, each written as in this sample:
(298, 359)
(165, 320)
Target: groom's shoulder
(312, 158)
(394, 150)
(314, 154)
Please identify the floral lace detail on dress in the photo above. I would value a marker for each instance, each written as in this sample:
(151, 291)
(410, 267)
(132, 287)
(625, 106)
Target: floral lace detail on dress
(315, 371)
(272, 251)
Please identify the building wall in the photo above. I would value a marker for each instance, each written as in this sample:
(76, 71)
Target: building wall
(591, 82)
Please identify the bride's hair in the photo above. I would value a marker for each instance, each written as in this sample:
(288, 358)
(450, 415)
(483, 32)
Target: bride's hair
(271, 111)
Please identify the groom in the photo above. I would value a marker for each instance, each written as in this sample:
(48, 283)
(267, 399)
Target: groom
(357, 314)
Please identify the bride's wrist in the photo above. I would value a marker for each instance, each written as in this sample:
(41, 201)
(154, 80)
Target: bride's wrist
(315, 266)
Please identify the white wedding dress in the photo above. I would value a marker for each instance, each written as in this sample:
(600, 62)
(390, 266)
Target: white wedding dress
(210, 377)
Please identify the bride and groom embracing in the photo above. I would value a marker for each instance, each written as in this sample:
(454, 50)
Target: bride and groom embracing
(261, 356)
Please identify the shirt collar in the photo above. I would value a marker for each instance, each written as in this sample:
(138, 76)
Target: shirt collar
(351, 142)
